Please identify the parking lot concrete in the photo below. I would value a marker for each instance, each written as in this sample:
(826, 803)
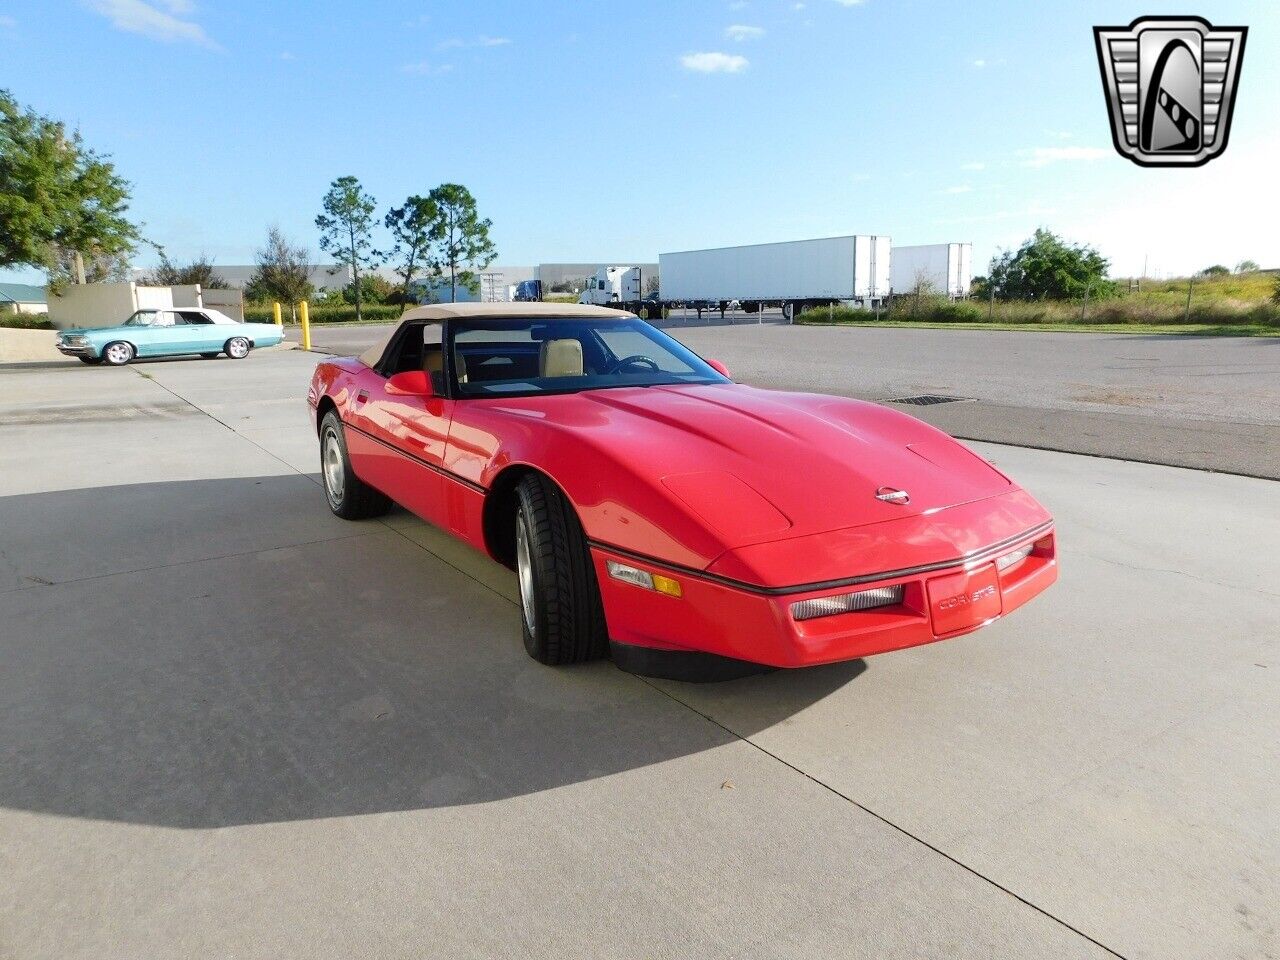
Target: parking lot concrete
(1204, 402)
(233, 725)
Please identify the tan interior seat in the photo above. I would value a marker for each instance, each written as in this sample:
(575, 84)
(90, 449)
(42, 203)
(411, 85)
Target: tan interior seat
(560, 358)
(433, 364)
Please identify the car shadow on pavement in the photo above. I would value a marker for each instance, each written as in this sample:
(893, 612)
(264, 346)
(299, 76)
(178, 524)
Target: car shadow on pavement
(208, 653)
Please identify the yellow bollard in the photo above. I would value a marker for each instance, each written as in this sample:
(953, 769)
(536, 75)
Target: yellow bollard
(275, 310)
(304, 314)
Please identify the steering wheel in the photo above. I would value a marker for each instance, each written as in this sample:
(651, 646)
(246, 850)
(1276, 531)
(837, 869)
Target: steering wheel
(634, 359)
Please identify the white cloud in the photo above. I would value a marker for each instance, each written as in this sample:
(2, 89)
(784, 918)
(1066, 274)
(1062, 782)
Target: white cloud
(973, 166)
(714, 62)
(287, 56)
(134, 16)
(962, 188)
(740, 32)
(455, 43)
(849, 3)
(797, 6)
(7, 22)
(1042, 156)
(979, 64)
(424, 68)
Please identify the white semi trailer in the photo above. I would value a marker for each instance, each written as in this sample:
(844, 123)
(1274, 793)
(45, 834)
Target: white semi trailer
(793, 275)
(937, 267)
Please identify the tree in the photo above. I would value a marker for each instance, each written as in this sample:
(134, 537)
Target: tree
(460, 241)
(1046, 267)
(346, 229)
(1247, 266)
(58, 198)
(283, 274)
(410, 228)
(198, 271)
(1217, 270)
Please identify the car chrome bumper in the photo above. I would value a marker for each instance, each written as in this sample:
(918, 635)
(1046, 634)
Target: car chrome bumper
(68, 350)
(744, 624)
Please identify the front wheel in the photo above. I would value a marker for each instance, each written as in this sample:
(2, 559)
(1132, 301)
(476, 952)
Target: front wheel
(117, 354)
(349, 497)
(237, 348)
(560, 607)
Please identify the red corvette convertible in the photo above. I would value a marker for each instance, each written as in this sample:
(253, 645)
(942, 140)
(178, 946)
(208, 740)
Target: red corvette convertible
(653, 508)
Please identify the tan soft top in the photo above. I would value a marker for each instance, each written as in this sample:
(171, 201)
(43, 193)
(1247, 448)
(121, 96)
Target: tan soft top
(490, 311)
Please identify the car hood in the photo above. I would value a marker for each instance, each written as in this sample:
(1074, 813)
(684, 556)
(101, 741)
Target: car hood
(757, 465)
(87, 331)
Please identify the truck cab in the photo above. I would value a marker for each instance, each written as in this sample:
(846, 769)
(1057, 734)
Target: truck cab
(612, 285)
(528, 291)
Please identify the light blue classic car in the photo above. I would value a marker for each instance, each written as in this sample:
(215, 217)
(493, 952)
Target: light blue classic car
(168, 333)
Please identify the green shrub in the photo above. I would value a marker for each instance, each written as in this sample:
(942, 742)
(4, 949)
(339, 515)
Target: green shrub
(836, 313)
(958, 312)
(344, 313)
(25, 321)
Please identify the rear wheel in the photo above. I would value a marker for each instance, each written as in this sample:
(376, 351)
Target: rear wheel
(561, 613)
(349, 497)
(237, 348)
(118, 353)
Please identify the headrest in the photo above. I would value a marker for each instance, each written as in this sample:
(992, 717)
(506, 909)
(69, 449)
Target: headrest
(560, 358)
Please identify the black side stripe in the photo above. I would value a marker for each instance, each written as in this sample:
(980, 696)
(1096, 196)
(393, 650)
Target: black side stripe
(985, 553)
(418, 460)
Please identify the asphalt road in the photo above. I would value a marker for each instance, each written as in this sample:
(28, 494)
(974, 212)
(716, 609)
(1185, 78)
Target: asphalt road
(233, 725)
(1210, 403)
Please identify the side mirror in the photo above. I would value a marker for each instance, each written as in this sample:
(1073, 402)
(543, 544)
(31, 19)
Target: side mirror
(410, 383)
(719, 368)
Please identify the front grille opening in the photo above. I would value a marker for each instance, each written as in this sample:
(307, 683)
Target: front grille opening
(929, 399)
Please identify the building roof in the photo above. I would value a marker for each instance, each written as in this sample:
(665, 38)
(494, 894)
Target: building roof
(22, 293)
(490, 311)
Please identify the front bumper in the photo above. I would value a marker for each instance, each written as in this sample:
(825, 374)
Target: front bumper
(746, 623)
(76, 350)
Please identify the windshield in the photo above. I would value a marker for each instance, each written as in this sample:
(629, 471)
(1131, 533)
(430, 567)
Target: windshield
(143, 318)
(514, 357)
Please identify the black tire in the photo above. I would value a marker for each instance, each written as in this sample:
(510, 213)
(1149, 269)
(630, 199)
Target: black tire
(91, 361)
(349, 497)
(209, 356)
(237, 348)
(561, 614)
(117, 353)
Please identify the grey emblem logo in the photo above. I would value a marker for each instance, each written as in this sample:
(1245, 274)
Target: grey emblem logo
(1170, 84)
(893, 495)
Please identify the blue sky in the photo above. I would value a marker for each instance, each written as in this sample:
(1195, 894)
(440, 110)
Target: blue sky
(617, 130)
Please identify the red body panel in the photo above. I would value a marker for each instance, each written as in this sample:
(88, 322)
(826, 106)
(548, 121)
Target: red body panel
(752, 499)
